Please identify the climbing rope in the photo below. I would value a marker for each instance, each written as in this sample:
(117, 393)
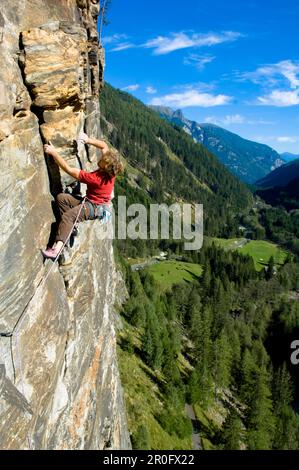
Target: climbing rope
(15, 333)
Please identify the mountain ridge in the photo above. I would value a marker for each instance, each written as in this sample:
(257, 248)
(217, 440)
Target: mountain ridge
(247, 159)
(280, 176)
(288, 156)
(149, 141)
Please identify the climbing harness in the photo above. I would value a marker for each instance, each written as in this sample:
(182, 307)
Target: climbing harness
(102, 212)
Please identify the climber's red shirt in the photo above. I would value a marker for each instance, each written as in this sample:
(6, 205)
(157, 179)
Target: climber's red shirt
(99, 186)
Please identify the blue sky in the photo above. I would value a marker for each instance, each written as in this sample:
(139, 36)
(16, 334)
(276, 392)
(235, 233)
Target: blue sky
(233, 63)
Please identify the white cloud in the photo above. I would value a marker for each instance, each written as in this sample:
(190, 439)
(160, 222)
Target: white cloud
(191, 98)
(280, 82)
(231, 119)
(273, 74)
(122, 46)
(199, 86)
(280, 98)
(176, 41)
(151, 90)
(272, 139)
(290, 70)
(114, 38)
(118, 42)
(286, 139)
(198, 61)
(226, 120)
(131, 87)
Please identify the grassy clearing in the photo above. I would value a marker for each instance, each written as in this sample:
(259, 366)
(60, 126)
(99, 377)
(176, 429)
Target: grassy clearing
(261, 251)
(167, 273)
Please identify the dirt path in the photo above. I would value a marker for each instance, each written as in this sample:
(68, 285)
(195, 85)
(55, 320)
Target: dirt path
(196, 439)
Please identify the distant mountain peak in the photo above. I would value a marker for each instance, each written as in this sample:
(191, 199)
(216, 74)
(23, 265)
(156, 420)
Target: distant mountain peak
(248, 160)
(178, 114)
(168, 112)
(163, 110)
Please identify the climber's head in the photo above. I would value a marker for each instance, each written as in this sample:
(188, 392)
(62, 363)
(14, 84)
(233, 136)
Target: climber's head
(111, 163)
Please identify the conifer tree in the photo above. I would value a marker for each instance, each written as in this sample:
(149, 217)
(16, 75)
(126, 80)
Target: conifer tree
(283, 388)
(222, 361)
(260, 420)
(270, 268)
(232, 432)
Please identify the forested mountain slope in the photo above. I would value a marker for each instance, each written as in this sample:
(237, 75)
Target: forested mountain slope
(247, 159)
(281, 176)
(208, 341)
(167, 155)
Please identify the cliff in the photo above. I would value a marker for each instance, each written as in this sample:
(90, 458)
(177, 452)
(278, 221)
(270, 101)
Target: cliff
(59, 380)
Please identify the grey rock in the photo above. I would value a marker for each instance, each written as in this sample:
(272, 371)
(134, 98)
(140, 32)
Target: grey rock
(59, 381)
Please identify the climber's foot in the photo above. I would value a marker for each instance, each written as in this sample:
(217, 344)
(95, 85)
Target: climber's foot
(75, 232)
(50, 253)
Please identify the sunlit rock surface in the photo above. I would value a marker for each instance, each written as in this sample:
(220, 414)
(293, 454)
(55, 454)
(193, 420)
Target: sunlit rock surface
(59, 380)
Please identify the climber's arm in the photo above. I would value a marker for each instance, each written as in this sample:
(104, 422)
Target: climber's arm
(100, 144)
(50, 150)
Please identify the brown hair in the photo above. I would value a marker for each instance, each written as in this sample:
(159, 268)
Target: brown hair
(111, 163)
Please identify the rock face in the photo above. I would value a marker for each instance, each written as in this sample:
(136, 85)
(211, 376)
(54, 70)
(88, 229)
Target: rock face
(59, 380)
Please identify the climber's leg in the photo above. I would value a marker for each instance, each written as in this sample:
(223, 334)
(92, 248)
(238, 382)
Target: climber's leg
(66, 202)
(68, 219)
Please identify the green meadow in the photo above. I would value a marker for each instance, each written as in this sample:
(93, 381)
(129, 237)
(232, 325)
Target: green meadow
(167, 273)
(260, 250)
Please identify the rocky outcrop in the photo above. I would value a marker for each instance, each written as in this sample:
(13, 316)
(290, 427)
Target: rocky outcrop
(59, 381)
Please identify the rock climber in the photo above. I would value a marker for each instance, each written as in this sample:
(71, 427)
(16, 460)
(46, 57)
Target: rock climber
(100, 184)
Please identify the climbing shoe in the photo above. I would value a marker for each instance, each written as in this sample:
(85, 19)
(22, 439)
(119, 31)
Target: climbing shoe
(50, 253)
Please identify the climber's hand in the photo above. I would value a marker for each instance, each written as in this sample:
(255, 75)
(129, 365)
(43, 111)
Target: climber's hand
(50, 149)
(83, 138)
